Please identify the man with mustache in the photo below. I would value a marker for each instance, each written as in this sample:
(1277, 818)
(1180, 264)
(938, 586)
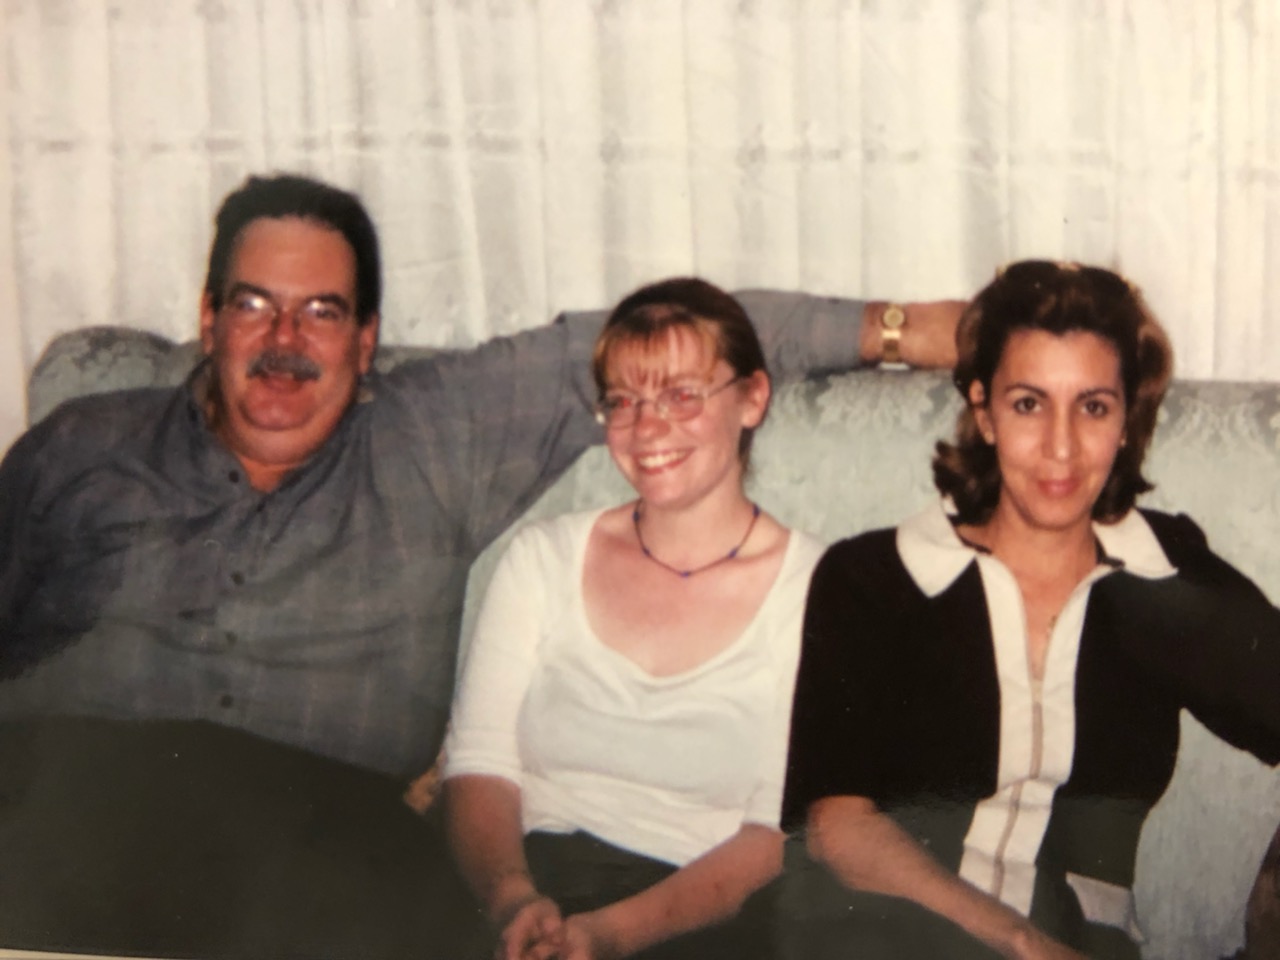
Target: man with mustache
(229, 612)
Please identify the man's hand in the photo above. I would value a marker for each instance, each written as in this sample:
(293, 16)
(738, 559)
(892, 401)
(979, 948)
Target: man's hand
(928, 336)
(422, 794)
(534, 931)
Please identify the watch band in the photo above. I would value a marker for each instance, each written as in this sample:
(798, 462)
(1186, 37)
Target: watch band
(892, 320)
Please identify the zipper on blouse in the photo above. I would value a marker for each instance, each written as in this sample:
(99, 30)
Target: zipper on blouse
(1036, 685)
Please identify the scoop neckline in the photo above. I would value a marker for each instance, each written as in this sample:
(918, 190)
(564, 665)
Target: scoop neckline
(670, 679)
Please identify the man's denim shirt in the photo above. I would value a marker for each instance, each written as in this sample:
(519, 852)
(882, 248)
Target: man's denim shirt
(142, 577)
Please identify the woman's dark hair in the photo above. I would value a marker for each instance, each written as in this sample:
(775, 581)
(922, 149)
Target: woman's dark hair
(1058, 298)
(646, 316)
(289, 195)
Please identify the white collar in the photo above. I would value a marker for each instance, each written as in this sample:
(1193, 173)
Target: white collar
(935, 556)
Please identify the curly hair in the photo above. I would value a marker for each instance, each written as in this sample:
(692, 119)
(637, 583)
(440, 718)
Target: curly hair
(1058, 298)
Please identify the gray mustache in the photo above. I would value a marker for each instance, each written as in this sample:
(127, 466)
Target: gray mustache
(277, 362)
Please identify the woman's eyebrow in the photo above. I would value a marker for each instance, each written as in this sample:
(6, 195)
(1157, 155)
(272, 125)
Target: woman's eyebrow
(1041, 392)
(1030, 387)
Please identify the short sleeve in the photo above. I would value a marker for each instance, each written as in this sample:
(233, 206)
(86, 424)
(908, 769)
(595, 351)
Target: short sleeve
(500, 663)
(875, 713)
(1208, 634)
(825, 717)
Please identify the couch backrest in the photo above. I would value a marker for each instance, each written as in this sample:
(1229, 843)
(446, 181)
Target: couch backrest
(845, 454)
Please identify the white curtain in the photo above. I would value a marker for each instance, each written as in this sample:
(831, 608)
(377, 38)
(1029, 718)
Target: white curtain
(524, 156)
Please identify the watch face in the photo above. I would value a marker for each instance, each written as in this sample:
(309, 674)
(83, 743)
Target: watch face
(893, 317)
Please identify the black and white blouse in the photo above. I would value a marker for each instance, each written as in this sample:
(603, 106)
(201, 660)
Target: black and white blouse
(914, 690)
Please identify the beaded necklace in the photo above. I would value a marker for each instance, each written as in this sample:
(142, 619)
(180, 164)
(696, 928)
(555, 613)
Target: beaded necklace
(635, 522)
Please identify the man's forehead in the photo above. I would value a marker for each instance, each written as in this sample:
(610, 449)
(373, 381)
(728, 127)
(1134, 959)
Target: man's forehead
(285, 254)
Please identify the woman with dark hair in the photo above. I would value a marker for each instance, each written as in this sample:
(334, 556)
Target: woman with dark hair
(987, 702)
(619, 734)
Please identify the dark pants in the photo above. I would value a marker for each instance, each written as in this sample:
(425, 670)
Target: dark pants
(839, 924)
(818, 918)
(581, 872)
(186, 839)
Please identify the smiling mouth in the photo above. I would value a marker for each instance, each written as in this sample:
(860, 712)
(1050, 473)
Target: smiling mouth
(652, 462)
(1059, 488)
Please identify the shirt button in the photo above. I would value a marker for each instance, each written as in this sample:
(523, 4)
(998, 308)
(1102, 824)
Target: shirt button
(234, 476)
(237, 578)
(226, 700)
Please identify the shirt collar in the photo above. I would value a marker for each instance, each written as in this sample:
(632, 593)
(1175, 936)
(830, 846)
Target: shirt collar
(935, 556)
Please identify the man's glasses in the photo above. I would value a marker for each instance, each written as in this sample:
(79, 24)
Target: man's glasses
(252, 309)
(616, 410)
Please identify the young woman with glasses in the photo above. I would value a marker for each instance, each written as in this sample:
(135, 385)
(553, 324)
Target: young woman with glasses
(616, 762)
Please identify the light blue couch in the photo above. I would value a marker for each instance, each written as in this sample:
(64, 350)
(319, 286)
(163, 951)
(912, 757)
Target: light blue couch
(849, 453)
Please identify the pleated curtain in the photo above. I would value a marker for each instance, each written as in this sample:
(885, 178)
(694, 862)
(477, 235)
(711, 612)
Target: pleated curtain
(525, 156)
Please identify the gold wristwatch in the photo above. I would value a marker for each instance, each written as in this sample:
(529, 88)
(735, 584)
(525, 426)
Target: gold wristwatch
(892, 320)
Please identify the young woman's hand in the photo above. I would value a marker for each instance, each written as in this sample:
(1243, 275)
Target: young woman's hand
(1033, 944)
(587, 937)
(534, 931)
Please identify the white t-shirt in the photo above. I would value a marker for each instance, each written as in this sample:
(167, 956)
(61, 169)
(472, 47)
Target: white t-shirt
(668, 767)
